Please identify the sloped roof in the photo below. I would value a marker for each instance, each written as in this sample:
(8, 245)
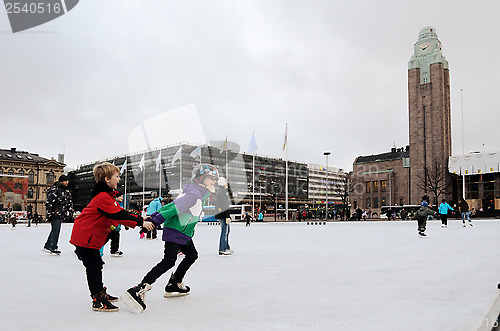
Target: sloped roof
(20, 156)
(395, 154)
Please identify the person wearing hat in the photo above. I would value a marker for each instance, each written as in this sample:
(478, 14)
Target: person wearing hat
(422, 215)
(222, 203)
(59, 207)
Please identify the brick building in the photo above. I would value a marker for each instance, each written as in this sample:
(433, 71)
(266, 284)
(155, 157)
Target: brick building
(402, 175)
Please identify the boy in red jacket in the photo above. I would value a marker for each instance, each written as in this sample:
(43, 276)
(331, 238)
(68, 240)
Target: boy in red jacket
(91, 230)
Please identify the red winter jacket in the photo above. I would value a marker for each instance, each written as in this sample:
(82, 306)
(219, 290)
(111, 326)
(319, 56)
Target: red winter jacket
(92, 226)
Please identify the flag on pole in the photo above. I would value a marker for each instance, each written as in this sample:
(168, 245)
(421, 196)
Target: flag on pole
(285, 142)
(223, 147)
(253, 144)
(141, 164)
(196, 152)
(124, 167)
(177, 156)
(158, 162)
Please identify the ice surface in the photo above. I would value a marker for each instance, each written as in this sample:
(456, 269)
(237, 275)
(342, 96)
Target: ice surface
(283, 276)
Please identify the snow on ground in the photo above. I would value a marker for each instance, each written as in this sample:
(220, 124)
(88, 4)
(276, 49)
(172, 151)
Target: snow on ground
(283, 276)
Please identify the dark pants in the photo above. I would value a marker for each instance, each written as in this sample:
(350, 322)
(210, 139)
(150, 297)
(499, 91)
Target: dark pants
(444, 219)
(92, 262)
(53, 238)
(168, 261)
(422, 223)
(114, 236)
(151, 234)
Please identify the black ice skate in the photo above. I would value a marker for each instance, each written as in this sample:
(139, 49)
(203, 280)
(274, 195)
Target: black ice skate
(101, 303)
(110, 297)
(135, 297)
(175, 289)
(422, 234)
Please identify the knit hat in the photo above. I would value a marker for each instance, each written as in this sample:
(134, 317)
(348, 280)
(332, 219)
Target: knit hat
(424, 204)
(63, 178)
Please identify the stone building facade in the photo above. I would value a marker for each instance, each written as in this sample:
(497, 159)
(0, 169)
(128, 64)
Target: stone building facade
(41, 174)
(407, 169)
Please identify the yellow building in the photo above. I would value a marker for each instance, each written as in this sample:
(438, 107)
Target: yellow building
(41, 173)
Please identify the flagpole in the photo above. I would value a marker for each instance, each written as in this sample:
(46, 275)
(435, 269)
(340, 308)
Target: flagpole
(286, 183)
(159, 186)
(253, 186)
(143, 183)
(227, 170)
(180, 169)
(126, 165)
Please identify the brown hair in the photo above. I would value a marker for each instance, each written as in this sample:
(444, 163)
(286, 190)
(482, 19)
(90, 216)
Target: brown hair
(104, 170)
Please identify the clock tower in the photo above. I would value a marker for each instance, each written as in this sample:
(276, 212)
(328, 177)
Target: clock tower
(429, 113)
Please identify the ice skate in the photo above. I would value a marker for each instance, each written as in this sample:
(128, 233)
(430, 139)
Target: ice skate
(226, 252)
(422, 234)
(470, 223)
(175, 289)
(100, 302)
(109, 297)
(464, 225)
(135, 297)
(117, 254)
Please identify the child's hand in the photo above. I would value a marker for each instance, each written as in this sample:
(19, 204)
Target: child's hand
(148, 225)
(112, 228)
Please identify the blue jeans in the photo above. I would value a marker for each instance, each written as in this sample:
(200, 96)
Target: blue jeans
(224, 236)
(53, 238)
(465, 215)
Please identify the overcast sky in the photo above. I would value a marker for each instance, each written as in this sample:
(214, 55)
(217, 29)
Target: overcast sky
(335, 71)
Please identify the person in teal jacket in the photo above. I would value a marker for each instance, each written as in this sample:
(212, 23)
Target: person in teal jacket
(153, 207)
(179, 219)
(443, 211)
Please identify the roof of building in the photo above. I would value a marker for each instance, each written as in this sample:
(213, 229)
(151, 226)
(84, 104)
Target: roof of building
(394, 154)
(475, 163)
(21, 156)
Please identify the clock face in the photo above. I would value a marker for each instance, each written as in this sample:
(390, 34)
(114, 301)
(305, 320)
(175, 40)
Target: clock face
(424, 48)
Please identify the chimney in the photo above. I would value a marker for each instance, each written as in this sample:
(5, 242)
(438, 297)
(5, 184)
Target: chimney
(13, 149)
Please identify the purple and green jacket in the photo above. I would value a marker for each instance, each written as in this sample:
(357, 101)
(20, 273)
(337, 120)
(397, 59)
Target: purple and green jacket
(181, 215)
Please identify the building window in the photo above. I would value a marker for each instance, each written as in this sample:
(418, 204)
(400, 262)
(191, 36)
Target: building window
(375, 202)
(368, 187)
(383, 185)
(383, 201)
(401, 201)
(375, 186)
(11, 172)
(368, 203)
(21, 172)
(1, 171)
(30, 193)
(31, 177)
(406, 162)
(50, 178)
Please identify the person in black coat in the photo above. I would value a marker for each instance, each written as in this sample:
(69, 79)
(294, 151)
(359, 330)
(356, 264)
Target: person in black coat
(222, 203)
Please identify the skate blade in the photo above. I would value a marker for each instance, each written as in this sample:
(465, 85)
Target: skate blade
(174, 294)
(130, 303)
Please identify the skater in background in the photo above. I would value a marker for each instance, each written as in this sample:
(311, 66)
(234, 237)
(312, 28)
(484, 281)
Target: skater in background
(13, 221)
(422, 214)
(91, 229)
(260, 217)
(222, 203)
(59, 207)
(463, 206)
(248, 219)
(114, 232)
(153, 207)
(179, 219)
(444, 207)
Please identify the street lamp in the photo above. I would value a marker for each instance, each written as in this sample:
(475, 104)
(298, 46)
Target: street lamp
(326, 154)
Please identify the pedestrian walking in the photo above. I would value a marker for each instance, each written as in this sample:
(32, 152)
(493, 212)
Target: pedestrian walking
(222, 203)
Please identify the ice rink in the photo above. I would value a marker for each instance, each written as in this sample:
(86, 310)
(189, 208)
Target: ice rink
(283, 276)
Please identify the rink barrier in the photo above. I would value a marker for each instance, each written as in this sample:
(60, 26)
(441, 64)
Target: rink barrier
(210, 223)
(316, 223)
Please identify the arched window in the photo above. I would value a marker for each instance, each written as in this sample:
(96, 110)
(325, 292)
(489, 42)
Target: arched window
(50, 178)
(11, 172)
(30, 193)
(21, 172)
(31, 177)
(1, 171)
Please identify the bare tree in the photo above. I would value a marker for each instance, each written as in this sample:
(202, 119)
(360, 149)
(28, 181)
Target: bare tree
(343, 189)
(435, 180)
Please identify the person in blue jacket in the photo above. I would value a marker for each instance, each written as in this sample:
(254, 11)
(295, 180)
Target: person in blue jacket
(153, 207)
(443, 211)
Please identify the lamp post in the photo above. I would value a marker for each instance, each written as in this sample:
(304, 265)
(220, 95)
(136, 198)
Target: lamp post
(326, 154)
